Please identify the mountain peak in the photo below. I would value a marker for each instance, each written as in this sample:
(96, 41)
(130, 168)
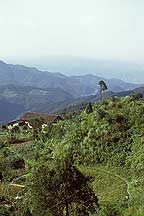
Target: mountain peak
(2, 62)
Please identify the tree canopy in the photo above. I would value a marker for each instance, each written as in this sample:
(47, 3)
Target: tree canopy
(62, 190)
(102, 87)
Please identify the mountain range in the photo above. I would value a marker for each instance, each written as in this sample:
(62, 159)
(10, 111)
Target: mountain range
(129, 71)
(29, 89)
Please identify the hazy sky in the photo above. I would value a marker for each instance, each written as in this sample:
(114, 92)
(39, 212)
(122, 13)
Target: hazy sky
(102, 29)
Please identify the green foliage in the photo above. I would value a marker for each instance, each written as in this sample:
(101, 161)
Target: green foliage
(110, 135)
(60, 189)
(110, 210)
(106, 135)
(89, 108)
(36, 122)
(137, 96)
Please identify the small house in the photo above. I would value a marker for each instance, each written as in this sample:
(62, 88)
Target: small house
(46, 118)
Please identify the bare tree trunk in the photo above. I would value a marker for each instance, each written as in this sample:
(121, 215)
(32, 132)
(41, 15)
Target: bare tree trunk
(67, 210)
(101, 94)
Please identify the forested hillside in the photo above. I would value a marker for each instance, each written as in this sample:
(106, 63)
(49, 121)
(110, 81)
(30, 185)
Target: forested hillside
(86, 164)
(16, 99)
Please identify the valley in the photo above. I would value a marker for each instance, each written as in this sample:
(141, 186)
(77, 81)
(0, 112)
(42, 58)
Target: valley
(24, 89)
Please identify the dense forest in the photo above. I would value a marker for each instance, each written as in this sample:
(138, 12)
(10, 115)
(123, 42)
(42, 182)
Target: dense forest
(89, 163)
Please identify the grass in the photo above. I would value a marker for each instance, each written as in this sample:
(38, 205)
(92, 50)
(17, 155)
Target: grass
(109, 183)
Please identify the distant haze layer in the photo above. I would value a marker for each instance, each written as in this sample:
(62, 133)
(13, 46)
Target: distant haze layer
(100, 29)
(69, 65)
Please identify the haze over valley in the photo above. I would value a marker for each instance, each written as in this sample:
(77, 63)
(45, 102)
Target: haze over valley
(75, 65)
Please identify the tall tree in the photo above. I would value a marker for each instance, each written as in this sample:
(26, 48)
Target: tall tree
(89, 108)
(102, 87)
(62, 190)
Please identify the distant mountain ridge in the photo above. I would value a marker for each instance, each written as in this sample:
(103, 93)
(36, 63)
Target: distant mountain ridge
(25, 89)
(15, 100)
(75, 85)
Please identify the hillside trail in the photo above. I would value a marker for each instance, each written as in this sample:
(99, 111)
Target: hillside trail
(30, 142)
(120, 177)
(114, 174)
(17, 185)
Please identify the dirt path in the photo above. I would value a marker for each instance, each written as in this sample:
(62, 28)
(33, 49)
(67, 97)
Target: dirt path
(22, 143)
(17, 185)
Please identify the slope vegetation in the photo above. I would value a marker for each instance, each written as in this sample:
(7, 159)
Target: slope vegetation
(105, 142)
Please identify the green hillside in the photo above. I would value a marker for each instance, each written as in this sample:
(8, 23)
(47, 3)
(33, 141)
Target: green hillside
(16, 99)
(105, 143)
